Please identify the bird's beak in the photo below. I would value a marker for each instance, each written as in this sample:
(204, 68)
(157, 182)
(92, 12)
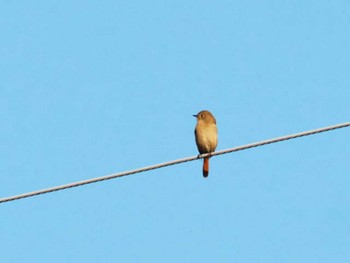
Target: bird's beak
(195, 116)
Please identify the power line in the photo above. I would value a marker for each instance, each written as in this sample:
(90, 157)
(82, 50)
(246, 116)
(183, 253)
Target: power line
(183, 160)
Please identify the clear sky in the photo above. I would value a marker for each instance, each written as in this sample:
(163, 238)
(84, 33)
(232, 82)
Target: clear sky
(90, 88)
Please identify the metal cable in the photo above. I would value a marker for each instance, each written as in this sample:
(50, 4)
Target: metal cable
(183, 160)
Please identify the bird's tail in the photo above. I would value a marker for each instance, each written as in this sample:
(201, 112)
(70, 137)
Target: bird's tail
(206, 167)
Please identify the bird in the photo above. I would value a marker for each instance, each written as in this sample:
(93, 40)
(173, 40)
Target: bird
(206, 134)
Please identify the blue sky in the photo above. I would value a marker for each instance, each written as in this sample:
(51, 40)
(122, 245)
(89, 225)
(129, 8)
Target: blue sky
(90, 88)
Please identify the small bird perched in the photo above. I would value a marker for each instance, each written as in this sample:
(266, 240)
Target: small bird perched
(206, 134)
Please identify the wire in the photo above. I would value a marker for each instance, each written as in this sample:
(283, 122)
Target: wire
(183, 160)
